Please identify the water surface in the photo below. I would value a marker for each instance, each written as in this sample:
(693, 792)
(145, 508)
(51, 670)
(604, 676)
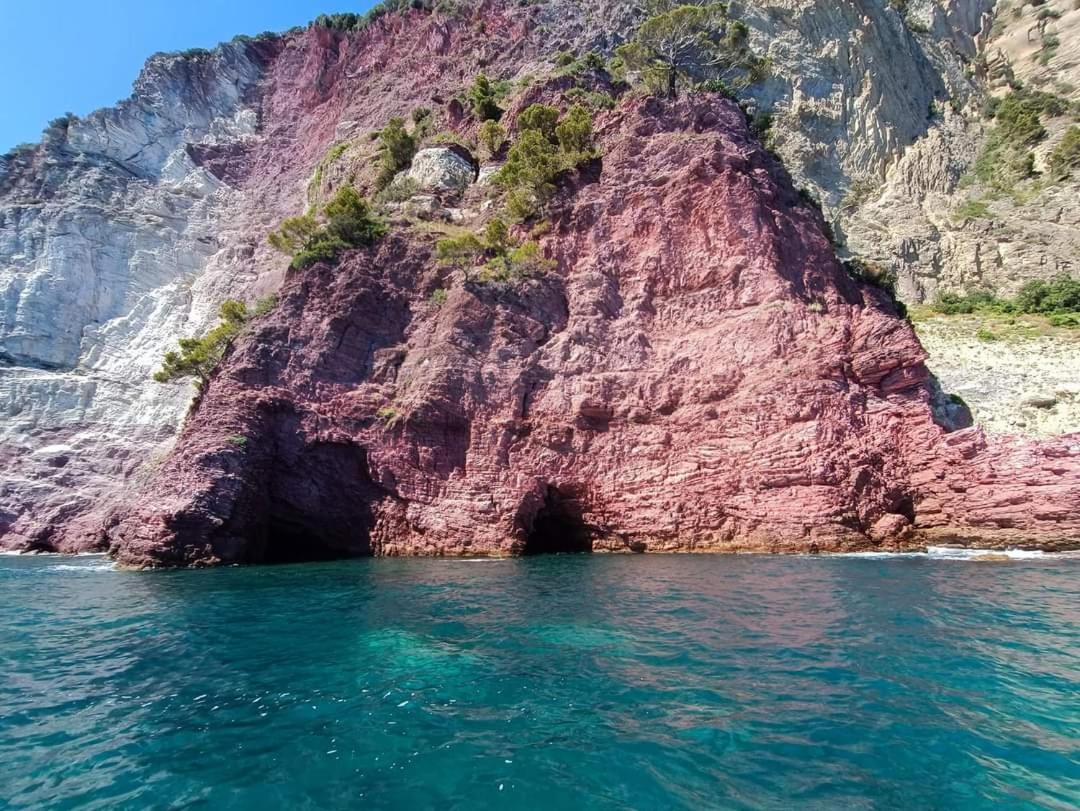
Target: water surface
(560, 682)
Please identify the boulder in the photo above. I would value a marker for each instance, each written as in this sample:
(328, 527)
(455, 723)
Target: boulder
(442, 169)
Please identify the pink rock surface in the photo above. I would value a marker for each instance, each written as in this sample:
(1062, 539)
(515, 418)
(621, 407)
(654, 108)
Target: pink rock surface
(698, 374)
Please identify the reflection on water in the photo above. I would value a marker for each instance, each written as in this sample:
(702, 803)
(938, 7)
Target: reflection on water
(569, 682)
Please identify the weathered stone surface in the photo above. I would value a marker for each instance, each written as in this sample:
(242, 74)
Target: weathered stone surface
(442, 169)
(699, 373)
(124, 231)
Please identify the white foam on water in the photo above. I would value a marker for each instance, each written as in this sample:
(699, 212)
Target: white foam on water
(959, 553)
(32, 554)
(98, 567)
(953, 553)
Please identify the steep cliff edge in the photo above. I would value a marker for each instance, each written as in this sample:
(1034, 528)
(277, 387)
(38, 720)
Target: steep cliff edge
(698, 373)
(125, 230)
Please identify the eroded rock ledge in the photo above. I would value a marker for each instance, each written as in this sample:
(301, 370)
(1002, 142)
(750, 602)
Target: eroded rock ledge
(699, 373)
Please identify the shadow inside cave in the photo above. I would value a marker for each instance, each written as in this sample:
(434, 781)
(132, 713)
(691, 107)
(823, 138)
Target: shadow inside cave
(317, 507)
(559, 528)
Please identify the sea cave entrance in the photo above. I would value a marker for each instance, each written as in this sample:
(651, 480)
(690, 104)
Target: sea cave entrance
(317, 507)
(291, 539)
(558, 528)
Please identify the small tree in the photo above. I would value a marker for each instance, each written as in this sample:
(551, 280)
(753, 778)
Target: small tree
(529, 173)
(350, 219)
(482, 98)
(497, 236)
(198, 357)
(684, 40)
(398, 149)
(461, 253)
(294, 233)
(492, 138)
(539, 118)
(574, 132)
(349, 223)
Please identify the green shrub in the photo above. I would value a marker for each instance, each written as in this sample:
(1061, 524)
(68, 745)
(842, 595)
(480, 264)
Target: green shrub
(198, 357)
(350, 219)
(574, 132)
(492, 138)
(1065, 157)
(423, 123)
(534, 161)
(239, 440)
(294, 233)
(481, 97)
(972, 210)
(532, 164)
(497, 236)
(348, 222)
(1057, 296)
(461, 253)
(516, 264)
(265, 305)
(400, 190)
(397, 148)
(1006, 157)
(985, 335)
(438, 297)
(323, 249)
(503, 259)
(539, 118)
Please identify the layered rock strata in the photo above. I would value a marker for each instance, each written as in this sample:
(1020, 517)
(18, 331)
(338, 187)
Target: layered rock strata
(698, 374)
(125, 230)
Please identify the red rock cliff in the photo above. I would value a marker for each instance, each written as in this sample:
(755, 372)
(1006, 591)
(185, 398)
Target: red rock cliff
(698, 373)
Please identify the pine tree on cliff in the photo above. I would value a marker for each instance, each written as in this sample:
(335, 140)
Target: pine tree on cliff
(198, 357)
(687, 42)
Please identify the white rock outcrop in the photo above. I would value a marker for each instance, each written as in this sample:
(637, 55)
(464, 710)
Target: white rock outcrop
(442, 169)
(109, 240)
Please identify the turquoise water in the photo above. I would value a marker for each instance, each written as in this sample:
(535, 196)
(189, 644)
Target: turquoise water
(559, 682)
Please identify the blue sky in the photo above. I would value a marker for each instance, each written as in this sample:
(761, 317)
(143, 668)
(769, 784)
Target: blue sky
(79, 55)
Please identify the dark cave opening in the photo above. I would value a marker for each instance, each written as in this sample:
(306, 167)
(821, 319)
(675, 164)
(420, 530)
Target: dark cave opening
(906, 508)
(558, 528)
(295, 541)
(317, 507)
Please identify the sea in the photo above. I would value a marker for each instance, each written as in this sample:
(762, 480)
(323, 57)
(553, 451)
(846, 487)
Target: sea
(933, 681)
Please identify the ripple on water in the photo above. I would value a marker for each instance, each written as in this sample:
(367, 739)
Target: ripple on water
(577, 682)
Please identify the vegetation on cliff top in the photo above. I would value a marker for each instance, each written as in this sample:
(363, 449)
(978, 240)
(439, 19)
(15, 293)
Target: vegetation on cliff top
(684, 43)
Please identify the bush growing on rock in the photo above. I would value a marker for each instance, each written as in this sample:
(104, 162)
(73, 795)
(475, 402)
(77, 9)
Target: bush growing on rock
(539, 118)
(397, 149)
(544, 148)
(492, 137)
(503, 259)
(1066, 155)
(574, 133)
(481, 97)
(294, 233)
(198, 357)
(348, 222)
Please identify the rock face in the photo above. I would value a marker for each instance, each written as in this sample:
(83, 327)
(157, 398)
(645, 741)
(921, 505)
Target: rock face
(123, 231)
(442, 169)
(699, 373)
